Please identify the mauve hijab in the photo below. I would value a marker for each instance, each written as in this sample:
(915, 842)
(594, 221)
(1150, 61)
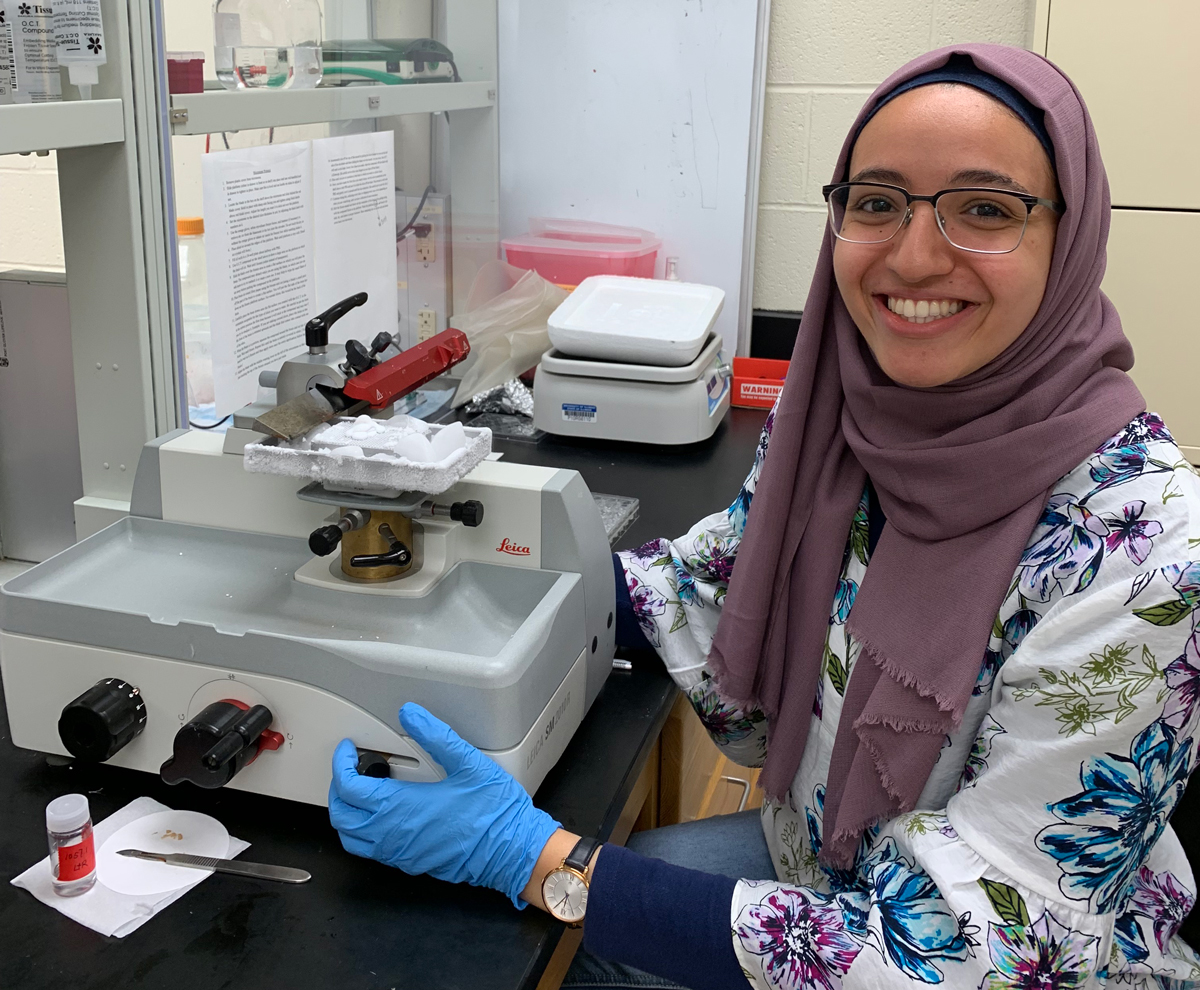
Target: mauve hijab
(962, 472)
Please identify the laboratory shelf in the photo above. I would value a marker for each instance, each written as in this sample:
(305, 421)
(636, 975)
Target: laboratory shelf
(224, 110)
(72, 124)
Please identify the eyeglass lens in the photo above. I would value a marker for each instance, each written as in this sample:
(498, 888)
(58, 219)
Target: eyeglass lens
(990, 221)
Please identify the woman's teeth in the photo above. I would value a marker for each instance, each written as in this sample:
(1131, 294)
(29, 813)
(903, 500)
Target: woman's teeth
(923, 310)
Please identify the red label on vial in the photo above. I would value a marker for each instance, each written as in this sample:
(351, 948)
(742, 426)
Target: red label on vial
(77, 861)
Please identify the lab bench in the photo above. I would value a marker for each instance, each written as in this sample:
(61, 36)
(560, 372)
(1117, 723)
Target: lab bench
(359, 925)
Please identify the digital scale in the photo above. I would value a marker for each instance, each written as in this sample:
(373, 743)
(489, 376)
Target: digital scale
(634, 359)
(643, 403)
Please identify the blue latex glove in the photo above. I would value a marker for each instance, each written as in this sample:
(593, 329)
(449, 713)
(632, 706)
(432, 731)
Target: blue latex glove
(477, 825)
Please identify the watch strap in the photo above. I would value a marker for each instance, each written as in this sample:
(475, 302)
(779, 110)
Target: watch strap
(579, 857)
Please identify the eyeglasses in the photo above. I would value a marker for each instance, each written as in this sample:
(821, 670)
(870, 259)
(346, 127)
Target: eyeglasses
(986, 221)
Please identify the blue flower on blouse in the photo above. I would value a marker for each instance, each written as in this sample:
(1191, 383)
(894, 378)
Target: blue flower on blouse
(840, 881)
(916, 924)
(685, 586)
(1018, 626)
(1131, 943)
(843, 601)
(1065, 551)
(1185, 579)
(1111, 826)
(1116, 465)
(992, 662)
(740, 510)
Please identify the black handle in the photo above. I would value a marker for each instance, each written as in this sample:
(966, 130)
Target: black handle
(372, 764)
(398, 556)
(316, 330)
(244, 732)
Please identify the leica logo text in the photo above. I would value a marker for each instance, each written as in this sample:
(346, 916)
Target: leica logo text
(507, 546)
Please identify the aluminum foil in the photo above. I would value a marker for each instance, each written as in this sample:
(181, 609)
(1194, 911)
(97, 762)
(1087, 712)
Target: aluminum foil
(513, 397)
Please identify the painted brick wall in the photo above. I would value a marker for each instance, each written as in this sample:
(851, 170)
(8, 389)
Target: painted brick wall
(825, 58)
(31, 229)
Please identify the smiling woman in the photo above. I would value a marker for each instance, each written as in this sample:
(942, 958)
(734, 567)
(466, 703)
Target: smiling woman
(954, 612)
(936, 284)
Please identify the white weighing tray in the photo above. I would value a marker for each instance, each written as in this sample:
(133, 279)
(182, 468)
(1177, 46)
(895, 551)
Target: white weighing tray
(636, 320)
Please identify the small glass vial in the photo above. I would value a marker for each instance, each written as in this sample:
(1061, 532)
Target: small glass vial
(72, 848)
(672, 272)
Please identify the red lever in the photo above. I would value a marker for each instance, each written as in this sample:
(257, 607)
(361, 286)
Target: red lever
(385, 383)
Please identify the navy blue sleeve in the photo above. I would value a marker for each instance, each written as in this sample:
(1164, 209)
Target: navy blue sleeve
(629, 633)
(664, 919)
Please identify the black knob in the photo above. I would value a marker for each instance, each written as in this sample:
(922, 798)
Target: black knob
(101, 720)
(324, 541)
(218, 743)
(372, 764)
(358, 358)
(382, 341)
(468, 513)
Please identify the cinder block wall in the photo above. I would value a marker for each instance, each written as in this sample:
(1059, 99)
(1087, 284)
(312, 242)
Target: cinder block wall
(825, 56)
(31, 228)
(824, 59)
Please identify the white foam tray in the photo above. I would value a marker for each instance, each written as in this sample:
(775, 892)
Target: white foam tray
(636, 320)
(380, 470)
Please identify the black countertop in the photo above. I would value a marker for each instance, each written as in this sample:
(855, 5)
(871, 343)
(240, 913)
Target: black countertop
(359, 925)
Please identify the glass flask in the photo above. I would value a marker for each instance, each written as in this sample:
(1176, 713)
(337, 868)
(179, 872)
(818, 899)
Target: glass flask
(267, 44)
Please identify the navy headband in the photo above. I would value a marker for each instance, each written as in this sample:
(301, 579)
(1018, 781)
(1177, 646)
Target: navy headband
(960, 69)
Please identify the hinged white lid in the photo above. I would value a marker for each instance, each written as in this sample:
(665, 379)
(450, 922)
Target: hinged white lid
(636, 320)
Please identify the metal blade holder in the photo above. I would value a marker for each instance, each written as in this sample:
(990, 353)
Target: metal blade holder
(377, 544)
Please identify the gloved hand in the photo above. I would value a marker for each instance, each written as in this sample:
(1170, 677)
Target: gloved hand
(477, 825)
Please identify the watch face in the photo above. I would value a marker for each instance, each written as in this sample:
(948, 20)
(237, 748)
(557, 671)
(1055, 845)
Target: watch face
(565, 895)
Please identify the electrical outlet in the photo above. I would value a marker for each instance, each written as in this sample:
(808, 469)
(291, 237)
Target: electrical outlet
(426, 247)
(426, 324)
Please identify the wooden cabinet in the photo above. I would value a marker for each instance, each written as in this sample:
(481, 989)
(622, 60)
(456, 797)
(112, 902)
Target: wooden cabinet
(694, 779)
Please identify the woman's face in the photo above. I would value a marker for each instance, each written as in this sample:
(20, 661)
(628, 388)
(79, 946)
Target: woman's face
(931, 138)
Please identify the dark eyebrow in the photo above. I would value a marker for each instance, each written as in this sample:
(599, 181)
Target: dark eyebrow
(965, 177)
(880, 175)
(986, 177)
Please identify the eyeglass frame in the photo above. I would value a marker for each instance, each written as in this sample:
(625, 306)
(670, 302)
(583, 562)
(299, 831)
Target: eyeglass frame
(1028, 199)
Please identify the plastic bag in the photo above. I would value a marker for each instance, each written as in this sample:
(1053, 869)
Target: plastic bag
(507, 332)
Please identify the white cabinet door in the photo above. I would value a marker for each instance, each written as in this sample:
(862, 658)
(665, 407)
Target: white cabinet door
(1152, 263)
(1137, 66)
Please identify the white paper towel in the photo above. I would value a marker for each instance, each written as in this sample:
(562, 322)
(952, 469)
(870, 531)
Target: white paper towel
(104, 910)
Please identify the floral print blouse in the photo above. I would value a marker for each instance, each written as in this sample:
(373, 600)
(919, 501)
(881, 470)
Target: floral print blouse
(1040, 854)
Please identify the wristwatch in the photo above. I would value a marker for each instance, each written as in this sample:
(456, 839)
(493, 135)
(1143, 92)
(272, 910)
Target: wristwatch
(565, 889)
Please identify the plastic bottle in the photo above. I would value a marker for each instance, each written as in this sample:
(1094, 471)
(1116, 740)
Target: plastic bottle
(8, 73)
(72, 848)
(79, 35)
(267, 44)
(193, 286)
(33, 58)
